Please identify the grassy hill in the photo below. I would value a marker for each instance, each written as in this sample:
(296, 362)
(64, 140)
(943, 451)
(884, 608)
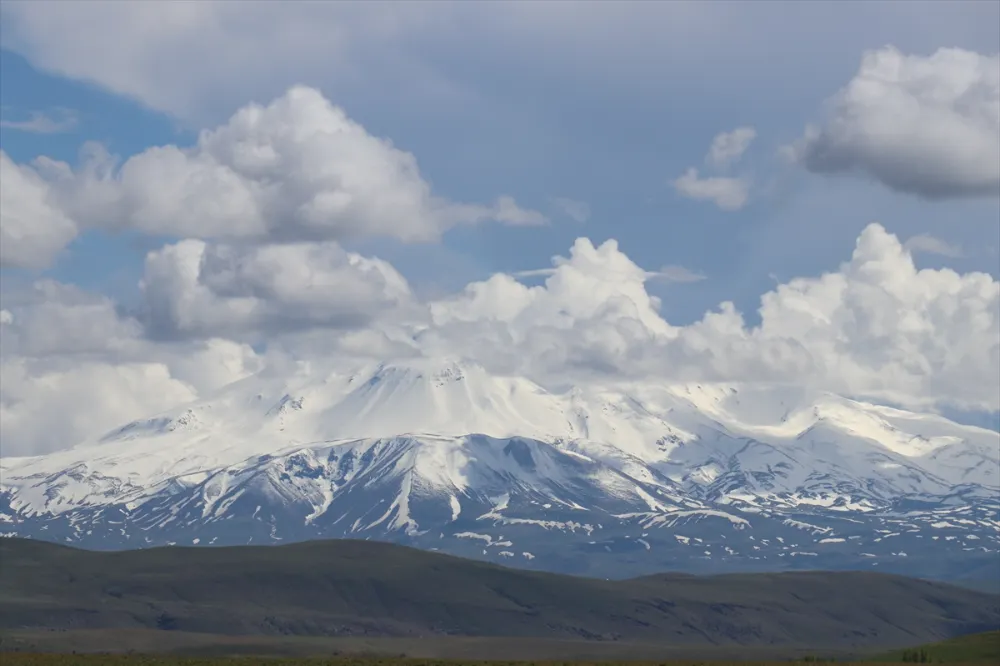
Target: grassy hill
(368, 589)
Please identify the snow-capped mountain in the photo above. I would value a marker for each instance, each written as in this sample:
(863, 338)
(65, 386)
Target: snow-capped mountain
(609, 480)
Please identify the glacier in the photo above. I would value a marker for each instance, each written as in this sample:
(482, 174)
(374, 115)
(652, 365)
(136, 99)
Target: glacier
(611, 480)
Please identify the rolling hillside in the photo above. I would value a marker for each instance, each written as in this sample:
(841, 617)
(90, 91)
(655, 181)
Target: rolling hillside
(356, 588)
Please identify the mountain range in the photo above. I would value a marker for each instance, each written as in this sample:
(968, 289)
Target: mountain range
(607, 480)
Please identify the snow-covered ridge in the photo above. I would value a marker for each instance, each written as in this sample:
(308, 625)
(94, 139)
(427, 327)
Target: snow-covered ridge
(661, 425)
(408, 449)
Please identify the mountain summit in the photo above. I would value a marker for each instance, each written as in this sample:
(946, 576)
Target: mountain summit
(443, 455)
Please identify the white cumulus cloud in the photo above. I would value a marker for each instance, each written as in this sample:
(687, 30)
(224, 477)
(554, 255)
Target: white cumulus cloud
(67, 352)
(88, 398)
(33, 230)
(924, 125)
(295, 169)
(50, 318)
(196, 289)
(877, 327)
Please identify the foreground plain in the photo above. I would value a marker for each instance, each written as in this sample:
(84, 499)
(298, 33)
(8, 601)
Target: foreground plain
(983, 648)
(975, 649)
(143, 660)
(464, 648)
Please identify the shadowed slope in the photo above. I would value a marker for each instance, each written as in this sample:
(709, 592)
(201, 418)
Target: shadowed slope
(376, 589)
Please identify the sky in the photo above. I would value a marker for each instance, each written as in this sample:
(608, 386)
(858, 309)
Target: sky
(194, 192)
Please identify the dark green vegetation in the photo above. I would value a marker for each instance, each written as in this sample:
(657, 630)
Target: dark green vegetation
(981, 648)
(972, 649)
(145, 660)
(465, 648)
(350, 596)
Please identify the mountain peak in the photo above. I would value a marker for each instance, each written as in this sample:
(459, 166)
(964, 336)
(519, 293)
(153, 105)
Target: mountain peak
(440, 451)
(436, 369)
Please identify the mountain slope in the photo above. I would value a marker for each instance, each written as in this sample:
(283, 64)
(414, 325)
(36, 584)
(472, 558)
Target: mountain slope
(364, 588)
(607, 480)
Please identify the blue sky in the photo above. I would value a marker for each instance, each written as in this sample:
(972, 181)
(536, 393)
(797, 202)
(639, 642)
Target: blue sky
(108, 263)
(602, 104)
(536, 136)
(522, 130)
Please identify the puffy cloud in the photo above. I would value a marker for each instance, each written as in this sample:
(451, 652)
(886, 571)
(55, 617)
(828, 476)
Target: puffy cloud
(76, 354)
(207, 365)
(727, 193)
(592, 316)
(728, 147)
(32, 229)
(592, 282)
(85, 357)
(50, 318)
(93, 395)
(880, 327)
(928, 126)
(877, 327)
(89, 398)
(57, 325)
(195, 289)
(295, 169)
